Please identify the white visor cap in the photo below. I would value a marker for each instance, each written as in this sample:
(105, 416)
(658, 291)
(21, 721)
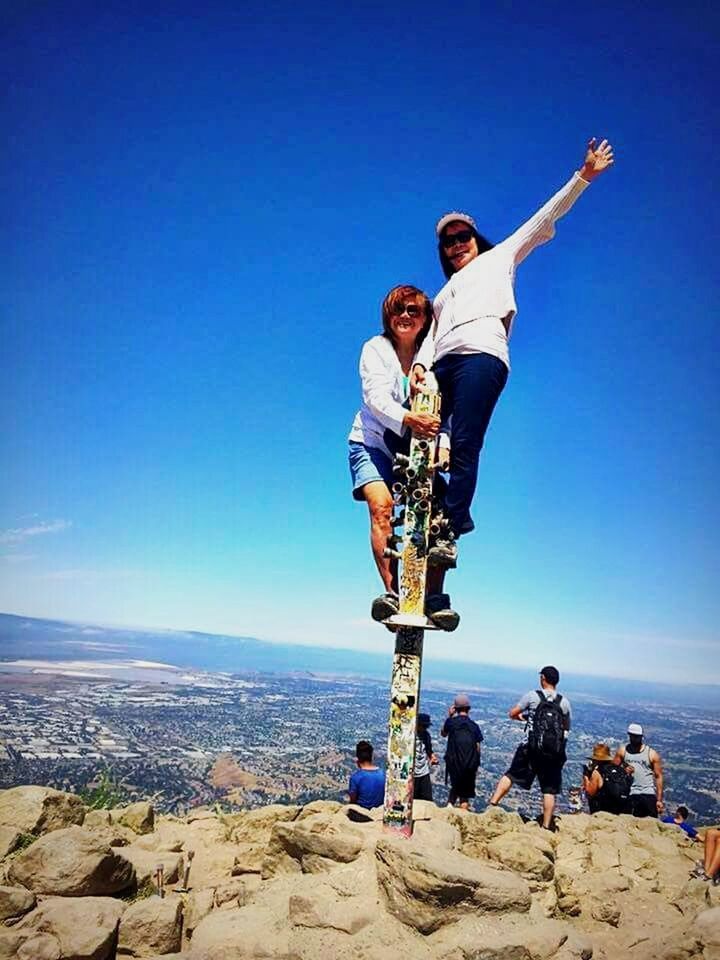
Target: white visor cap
(451, 218)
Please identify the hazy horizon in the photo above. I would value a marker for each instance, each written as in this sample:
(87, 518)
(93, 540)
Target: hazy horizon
(215, 652)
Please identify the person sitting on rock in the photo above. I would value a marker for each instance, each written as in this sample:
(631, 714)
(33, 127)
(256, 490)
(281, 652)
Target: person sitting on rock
(709, 867)
(681, 819)
(547, 717)
(367, 784)
(462, 755)
(646, 793)
(606, 784)
(424, 759)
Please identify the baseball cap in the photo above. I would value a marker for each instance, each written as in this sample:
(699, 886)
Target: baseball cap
(424, 718)
(462, 700)
(551, 674)
(451, 217)
(635, 729)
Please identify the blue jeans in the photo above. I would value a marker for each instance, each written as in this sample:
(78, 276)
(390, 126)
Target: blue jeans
(470, 385)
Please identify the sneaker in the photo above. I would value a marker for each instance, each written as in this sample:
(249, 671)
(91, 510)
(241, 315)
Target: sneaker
(437, 609)
(384, 606)
(716, 880)
(443, 554)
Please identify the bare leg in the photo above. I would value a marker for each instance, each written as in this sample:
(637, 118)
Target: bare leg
(380, 506)
(712, 850)
(548, 808)
(503, 787)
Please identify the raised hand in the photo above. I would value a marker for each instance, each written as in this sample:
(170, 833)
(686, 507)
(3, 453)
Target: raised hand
(598, 158)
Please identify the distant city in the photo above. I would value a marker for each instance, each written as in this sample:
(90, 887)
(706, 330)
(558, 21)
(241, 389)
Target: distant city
(77, 701)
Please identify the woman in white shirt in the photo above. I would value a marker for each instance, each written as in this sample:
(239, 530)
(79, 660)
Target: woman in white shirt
(467, 346)
(382, 428)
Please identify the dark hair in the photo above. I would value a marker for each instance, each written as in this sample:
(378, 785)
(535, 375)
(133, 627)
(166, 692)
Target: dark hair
(682, 811)
(399, 295)
(551, 674)
(364, 751)
(483, 245)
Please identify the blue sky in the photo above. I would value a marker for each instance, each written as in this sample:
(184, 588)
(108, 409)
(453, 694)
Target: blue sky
(205, 209)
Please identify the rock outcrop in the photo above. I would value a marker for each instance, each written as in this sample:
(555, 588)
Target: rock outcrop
(323, 880)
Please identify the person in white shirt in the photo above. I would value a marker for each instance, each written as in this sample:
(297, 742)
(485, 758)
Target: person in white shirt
(382, 428)
(467, 345)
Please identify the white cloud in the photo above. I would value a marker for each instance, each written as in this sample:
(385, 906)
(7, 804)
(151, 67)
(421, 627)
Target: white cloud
(16, 557)
(19, 534)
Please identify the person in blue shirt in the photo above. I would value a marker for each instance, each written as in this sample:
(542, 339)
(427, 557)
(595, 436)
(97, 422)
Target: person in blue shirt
(680, 818)
(367, 784)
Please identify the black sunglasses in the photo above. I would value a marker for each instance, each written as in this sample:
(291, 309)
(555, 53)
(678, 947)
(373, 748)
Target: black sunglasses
(411, 309)
(462, 236)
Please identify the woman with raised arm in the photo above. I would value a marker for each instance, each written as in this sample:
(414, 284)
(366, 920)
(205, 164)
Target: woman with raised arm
(467, 346)
(382, 428)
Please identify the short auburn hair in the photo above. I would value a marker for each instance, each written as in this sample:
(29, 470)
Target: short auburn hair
(398, 296)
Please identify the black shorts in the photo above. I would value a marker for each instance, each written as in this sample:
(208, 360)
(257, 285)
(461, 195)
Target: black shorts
(423, 788)
(462, 784)
(525, 766)
(643, 804)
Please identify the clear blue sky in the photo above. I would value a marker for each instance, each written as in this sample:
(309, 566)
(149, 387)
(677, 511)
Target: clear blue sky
(204, 206)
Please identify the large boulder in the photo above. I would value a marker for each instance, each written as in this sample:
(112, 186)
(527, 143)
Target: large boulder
(322, 909)
(10, 943)
(255, 826)
(15, 901)
(509, 938)
(153, 925)
(39, 809)
(330, 807)
(311, 845)
(9, 840)
(428, 888)
(478, 829)
(250, 933)
(528, 854)
(707, 930)
(146, 862)
(77, 929)
(138, 817)
(71, 862)
(198, 905)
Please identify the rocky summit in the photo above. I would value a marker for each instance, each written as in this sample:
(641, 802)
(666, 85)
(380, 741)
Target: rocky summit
(325, 882)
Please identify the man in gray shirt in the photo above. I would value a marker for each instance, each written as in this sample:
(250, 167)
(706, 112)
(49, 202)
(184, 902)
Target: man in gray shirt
(547, 717)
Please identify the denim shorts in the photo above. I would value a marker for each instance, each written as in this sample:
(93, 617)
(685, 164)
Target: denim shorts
(368, 464)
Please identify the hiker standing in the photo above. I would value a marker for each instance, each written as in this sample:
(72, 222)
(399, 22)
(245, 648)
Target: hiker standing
(646, 793)
(546, 714)
(462, 755)
(424, 759)
(606, 783)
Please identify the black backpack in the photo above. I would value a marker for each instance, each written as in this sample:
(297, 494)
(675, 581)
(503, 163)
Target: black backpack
(461, 754)
(616, 784)
(547, 734)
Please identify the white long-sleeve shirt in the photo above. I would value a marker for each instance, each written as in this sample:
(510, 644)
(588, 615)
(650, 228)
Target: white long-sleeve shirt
(384, 390)
(475, 309)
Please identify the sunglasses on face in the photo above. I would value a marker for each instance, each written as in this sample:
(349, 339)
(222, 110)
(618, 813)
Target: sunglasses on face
(411, 309)
(462, 236)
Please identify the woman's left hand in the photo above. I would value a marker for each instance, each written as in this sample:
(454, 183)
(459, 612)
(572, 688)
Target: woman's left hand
(597, 159)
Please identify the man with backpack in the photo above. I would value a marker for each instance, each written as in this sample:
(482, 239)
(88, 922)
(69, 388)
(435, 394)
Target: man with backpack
(547, 717)
(462, 755)
(646, 793)
(606, 783)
